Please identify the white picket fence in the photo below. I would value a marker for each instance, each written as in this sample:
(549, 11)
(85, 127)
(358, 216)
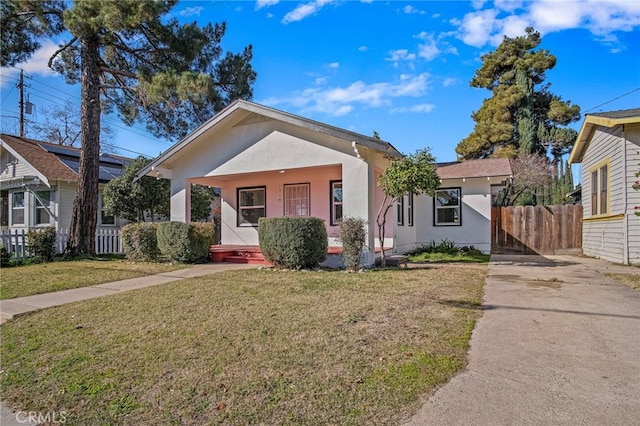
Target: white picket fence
(108, 241)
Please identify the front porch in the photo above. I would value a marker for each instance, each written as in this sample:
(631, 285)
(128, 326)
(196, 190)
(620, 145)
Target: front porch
(249, 254)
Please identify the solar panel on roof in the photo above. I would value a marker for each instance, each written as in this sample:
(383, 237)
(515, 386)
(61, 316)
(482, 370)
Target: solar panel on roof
(61, 150)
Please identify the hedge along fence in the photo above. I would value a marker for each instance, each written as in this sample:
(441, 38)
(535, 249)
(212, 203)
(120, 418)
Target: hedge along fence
(293, 242)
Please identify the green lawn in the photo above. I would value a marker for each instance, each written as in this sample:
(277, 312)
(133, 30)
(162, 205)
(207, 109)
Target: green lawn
(249, 346)
(41, 278)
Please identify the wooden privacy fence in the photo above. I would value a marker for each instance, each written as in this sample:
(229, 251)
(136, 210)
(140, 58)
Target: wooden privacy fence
(107, 241)
(537, 229)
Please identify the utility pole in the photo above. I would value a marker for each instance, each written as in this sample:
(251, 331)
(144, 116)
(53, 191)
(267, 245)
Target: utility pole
(21, 87)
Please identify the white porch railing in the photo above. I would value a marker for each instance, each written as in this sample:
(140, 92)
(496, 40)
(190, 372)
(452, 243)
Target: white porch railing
(108, 241)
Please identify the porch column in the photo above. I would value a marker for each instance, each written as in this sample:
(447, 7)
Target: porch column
(357, 198)
(178, 200)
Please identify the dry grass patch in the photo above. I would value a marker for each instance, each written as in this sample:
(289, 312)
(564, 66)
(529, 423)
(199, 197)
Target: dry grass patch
(246, 347)
(631, 280)
(19, 281)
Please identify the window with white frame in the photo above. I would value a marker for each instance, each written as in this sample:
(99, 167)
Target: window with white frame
(600, 190)
(42, 205)
(296, 199)
(410, 209)
(336, 202)
(252, 205)
(400, 211)
(17, 208)
(447, 207)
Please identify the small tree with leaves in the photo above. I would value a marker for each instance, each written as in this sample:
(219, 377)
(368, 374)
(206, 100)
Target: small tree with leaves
(413, 174)
(129, 199)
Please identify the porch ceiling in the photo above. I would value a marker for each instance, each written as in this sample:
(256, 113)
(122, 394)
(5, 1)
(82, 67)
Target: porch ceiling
(208, 179)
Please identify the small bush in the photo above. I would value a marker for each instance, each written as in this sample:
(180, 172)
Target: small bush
(140, 242)
(445, 247)
(42, 243)
(185, 242)
(293, 242)
(5, 256)
(353, 236)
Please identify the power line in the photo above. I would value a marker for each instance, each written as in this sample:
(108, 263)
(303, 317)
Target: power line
(614, 99)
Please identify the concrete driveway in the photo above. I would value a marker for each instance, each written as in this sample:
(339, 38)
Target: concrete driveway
(558, 344)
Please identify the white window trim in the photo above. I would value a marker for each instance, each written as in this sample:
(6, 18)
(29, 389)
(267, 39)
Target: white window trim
(38, 204)
(23, 208)
(100, 213)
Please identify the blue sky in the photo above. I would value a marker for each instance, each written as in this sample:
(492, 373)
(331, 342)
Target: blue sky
(401, 68)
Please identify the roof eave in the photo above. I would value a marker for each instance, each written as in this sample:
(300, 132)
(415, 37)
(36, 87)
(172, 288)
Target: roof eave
(590, 122)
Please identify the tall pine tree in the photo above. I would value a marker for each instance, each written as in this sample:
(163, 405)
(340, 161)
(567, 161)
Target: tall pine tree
(129, 58)
(522, 116)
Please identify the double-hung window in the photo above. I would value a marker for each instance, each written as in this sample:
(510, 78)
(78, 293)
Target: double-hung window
(42, 205)
(17, 208)
(336, 202)
(410, 209)
(447, 207)
(600, 190)
(252, 205)
(296, 200)
(400, 212)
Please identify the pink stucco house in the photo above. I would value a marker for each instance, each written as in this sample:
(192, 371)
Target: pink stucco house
(268, 162)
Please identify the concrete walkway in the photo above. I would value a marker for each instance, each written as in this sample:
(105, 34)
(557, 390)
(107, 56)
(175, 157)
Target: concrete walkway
(20, 305)
(558, 344)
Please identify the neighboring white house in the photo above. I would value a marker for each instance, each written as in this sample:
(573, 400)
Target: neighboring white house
(271, 163)
(461, 209)
(38, 183)
(608, 147)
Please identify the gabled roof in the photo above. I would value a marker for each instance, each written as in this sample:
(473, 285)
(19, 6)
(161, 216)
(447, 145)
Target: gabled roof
(271, 113)
(489, 167)
(51, 162)
(605, 119)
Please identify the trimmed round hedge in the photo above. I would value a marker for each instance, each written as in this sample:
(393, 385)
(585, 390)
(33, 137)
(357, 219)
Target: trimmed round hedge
(293, 242)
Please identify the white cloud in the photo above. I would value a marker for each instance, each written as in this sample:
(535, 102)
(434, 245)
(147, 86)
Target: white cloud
(334, 65)
(342, 100)
(429, 48)
(38, 63)
(265, 3)
(416, 108)
(305, 10)
(449, 81)
(601, 17)
(398, 55)
(363, 48)
(410, 10)
(191, 11)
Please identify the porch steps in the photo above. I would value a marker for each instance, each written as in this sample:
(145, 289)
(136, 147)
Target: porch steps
(246, 254)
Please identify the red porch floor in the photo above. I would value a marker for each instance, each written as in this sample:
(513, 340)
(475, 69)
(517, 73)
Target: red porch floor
(245, 254)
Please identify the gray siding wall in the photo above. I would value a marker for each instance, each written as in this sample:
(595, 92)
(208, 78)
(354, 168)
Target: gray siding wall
(604, 239)
(632, 134)
(10, 167)
(66, 193)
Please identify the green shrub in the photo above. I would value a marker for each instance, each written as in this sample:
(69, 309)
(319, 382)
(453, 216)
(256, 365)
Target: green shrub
(444, 247)
(293, 242)
(139, 242)
(5, 256)
(353, 236)
(42, 243)
(185, 242)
